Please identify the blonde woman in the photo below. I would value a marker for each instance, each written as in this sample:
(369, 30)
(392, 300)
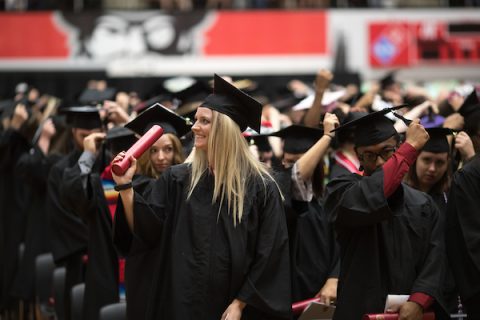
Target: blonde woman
(216, 224)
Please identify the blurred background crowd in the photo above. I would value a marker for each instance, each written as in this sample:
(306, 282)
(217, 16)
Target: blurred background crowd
(116, 58)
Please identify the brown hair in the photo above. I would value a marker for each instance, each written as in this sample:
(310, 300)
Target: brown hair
(145, 165)
(442, 185)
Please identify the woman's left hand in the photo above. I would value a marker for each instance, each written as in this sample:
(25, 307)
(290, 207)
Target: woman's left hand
(328, 293)
(234, 310)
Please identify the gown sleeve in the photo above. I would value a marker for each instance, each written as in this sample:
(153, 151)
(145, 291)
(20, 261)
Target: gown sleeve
(432, 271)
(357, 202)
(80, 188)
(267, 287)
(149, 211)
(124, 240)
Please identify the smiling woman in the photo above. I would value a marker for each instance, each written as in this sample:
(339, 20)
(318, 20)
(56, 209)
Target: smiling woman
(215, 225)
(201, 127)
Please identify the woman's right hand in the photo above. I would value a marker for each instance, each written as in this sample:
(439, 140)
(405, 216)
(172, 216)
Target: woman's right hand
(128, 175)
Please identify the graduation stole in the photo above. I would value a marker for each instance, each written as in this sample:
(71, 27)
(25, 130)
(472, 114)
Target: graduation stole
(348, 164)
(110, 194)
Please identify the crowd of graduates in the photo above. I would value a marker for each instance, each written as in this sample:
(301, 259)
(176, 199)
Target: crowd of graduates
(247, 204)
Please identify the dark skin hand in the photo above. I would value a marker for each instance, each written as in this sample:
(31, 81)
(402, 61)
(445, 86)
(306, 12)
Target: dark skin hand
(408, 311)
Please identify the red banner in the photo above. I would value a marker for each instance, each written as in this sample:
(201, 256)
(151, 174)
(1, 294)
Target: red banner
(104, 36)
(267, 33)
(32, 35)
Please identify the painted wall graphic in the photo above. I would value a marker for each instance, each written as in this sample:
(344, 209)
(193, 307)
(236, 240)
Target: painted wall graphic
(151, 33)
(148, 43)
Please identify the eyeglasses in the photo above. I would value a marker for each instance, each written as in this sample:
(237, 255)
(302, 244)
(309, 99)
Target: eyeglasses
(371, 157)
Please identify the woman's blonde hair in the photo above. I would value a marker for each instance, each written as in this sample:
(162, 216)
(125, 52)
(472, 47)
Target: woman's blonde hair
(233, 164)
(145, 166)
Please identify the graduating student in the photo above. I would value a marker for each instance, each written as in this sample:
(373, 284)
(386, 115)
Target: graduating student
(431, 171)
(87, 187)
(390, 235)
(167, 150)
(314, 253)
(69, 231)
(463, 225)
(32, 169)
(164, 153)
(216, 224)
(14, 142)
(345, 159)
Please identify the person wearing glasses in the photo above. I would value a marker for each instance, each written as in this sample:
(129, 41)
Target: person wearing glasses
(390, 235)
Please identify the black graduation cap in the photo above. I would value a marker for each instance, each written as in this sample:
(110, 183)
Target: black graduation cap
(372, 128)
(438, 142)
(93, 96)
(164, 117)
(388, 80)
(470, 106)
(84, 117)
(286, 102)
(470, 110)
(6, 108)
(347, 134)
(260, 140)
(120, 138)
(298, 139)
(239, 106)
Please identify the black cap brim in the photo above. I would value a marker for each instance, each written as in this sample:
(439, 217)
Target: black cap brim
(84, 117)
(92, 96)
(234, 103)
(372, 128)
(298, 139)
(158, 114)
(438, 142)
(120, 138)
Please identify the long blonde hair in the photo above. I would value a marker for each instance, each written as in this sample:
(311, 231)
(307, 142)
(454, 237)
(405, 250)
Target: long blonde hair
(233, 164)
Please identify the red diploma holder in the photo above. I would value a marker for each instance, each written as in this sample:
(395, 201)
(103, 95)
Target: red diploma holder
(394, 316)
(298, 307)
(137, 149)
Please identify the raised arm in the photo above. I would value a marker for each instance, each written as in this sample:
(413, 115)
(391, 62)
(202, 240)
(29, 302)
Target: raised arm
(312, 118)
(309, 161)
(124, 186)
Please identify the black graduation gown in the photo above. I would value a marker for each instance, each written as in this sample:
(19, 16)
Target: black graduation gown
(33, 168)
(12, 217)
(463, 225)
(202, 262)
(337, 170)
(387, 246)
(440, 201)
(68, 233)
(85, 197)
(139, 259)
(450, 293)
(314, 252)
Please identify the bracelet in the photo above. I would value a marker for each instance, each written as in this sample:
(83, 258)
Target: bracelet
(125, 186)
(328, 135)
